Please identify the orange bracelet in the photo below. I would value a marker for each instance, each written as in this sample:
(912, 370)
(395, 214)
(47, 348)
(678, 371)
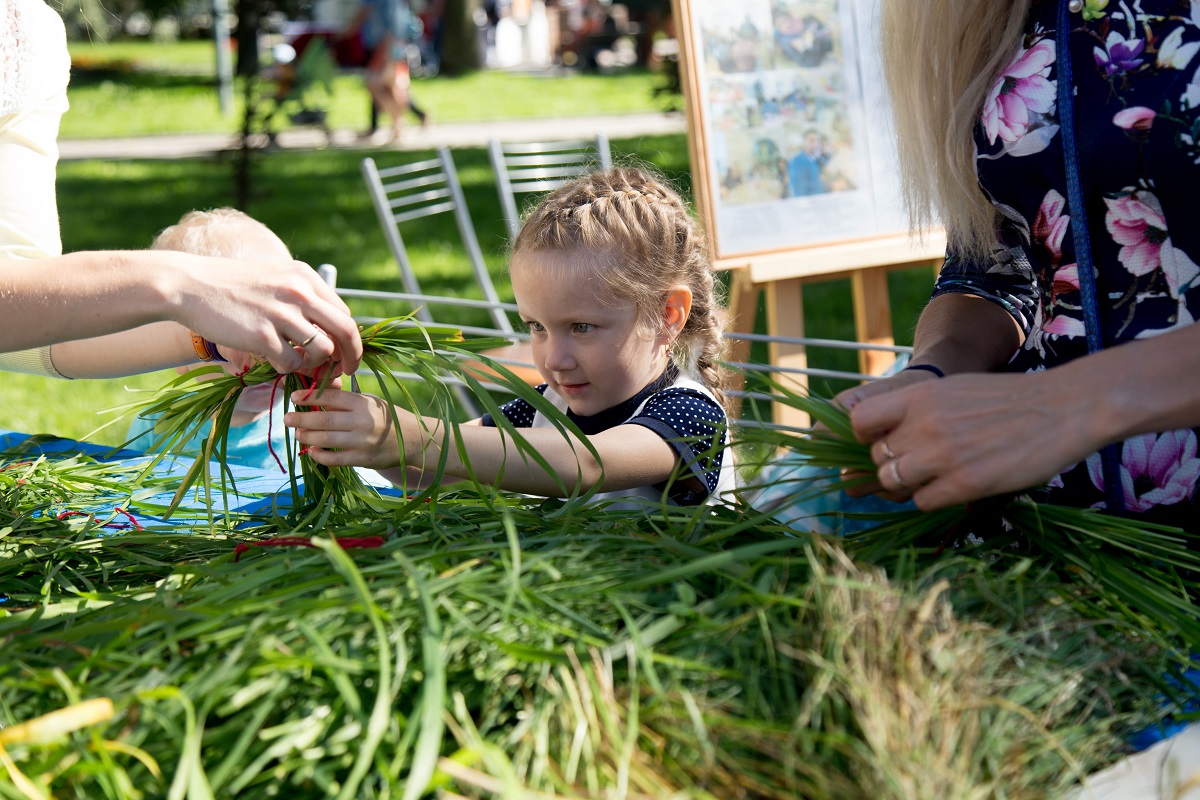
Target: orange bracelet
(205, 350)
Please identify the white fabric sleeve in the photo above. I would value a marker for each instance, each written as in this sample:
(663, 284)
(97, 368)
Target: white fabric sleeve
(30, 362)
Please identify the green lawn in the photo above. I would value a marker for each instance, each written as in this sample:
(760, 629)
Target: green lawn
(135, 89)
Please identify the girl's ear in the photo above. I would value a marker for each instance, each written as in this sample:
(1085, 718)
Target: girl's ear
(676, 308)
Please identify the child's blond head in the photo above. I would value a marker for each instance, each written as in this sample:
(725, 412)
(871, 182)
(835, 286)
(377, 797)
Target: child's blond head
(224, 233)
(636, 238)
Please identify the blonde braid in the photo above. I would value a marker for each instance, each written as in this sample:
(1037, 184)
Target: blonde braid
(642, 242)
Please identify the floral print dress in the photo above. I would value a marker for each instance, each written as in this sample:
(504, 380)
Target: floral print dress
(1136, 72)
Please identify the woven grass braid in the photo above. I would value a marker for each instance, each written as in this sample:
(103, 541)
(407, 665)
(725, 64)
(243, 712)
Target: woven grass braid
(637, 236)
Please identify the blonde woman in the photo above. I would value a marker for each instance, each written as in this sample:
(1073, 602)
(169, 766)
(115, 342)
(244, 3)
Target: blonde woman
(1084, 381)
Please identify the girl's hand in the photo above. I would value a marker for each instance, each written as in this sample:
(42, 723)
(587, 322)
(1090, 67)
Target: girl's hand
(347, 430)
(943, 442)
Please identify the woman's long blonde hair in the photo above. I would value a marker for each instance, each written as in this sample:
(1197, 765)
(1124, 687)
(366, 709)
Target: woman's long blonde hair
(641, 242)
(940, 59)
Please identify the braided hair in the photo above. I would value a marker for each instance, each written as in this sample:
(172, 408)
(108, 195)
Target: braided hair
(636, 235)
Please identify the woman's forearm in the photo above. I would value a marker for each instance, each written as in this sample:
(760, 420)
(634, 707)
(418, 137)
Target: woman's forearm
(253, 306)
(1145, 386)
(81, 295)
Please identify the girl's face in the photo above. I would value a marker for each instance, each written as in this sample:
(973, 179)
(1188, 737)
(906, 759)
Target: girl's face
(589, 349)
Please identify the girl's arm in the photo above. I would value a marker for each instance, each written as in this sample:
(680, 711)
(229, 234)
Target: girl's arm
(977, 435)
(354, 429)
(251, 306)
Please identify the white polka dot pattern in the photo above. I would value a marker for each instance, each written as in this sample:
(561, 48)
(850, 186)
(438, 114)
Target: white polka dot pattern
(690, 421)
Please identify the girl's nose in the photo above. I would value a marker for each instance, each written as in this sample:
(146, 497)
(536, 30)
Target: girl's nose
(558, 357)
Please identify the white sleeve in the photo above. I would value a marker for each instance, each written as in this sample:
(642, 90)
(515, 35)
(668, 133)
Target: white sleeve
(30, 362)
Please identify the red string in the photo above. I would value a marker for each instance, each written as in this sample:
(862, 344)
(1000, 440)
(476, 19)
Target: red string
(315, 381)
(120, 526)
(132, 519)
(270, 422)
(346, 543)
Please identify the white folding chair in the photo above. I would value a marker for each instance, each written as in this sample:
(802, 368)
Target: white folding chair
(420, 189)
(525, 167)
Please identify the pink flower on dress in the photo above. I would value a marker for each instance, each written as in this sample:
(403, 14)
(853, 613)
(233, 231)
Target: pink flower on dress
(1136, 222)
(1134, 118)
(1051, 224)
(1022, 88)
(1065, 279)
(1062, 325)
(1156, 470)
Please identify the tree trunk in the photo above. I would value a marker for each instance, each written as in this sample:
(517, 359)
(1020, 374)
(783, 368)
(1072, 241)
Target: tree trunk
(249, 16)
(460, 38)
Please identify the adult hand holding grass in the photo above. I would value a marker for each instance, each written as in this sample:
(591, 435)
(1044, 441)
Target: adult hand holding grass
(865, 483)
(281, 311)
(260, 307)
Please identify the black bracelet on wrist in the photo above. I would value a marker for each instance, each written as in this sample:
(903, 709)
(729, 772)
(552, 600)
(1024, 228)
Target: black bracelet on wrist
(927, 368)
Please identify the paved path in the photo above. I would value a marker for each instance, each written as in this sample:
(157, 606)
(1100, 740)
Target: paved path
(436, 134)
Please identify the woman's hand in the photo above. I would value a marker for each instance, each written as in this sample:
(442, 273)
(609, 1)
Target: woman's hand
(279, 310)
(347, 429)
(852, 397)
(943, 442)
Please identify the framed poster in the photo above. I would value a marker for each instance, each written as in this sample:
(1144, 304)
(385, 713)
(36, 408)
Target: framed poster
(791, 143)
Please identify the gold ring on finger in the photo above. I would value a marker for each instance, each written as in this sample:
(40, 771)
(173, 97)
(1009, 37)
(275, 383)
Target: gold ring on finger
(307, 341)
(894, 468)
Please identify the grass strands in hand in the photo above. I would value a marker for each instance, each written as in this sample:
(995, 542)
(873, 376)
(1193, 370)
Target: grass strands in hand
(1143, 573)
(394, 351)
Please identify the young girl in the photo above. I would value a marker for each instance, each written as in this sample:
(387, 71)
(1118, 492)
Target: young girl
(612, 277)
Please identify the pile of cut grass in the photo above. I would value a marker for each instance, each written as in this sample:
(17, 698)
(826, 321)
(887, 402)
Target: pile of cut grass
(472, 643)
(499, 647)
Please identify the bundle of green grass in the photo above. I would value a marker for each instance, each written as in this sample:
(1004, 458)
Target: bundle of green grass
(477, 644)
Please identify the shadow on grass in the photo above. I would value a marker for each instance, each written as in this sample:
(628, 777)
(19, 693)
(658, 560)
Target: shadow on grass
(134, 78)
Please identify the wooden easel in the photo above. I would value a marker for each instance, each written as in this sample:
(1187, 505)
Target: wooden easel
(781, 277)
(781, 274)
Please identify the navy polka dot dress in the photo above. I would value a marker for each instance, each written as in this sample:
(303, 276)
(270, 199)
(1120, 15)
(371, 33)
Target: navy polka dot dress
(689, 420)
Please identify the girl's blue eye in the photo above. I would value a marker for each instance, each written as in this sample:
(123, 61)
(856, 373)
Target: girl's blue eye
(536, 327)
(584, 327)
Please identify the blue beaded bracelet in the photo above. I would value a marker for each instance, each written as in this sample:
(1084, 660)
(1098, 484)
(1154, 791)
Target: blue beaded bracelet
(927, 368)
